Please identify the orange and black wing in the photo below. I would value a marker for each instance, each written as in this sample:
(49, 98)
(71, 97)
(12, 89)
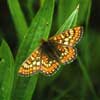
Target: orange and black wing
(68, 54)
(69, 37)
(48, 66)
(31, 65)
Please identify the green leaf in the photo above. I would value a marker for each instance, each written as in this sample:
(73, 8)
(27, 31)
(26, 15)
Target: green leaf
(40, 28)
(6, 71)
(71, 21)
(31, 11)
(84, 18)
(87, 80)
(42, 2)
(84, 14)
(18, 18)
(65, 8)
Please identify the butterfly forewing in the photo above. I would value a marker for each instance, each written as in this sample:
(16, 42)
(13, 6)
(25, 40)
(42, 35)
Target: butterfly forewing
(31, 65)
(69, 37)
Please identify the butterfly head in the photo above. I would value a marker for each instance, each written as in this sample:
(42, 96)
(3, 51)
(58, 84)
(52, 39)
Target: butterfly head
(43, 41)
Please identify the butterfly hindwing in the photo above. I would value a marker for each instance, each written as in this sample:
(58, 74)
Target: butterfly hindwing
(69, 37)
(68, 54)
(31, 65)
(48, 66)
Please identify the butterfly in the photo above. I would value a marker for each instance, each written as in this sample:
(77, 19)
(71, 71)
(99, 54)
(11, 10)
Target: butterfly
(48, 57)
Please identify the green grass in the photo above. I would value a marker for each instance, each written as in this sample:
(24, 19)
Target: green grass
(76, 81)
(18, 19)
(6, 69)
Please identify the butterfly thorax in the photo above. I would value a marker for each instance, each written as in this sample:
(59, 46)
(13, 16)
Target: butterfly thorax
(50, 49)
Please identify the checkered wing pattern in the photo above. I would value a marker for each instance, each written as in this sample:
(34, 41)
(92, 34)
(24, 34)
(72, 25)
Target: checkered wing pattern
(40, 61)
(69, 37)
(31, 65)
(48, 66)
(68, 54)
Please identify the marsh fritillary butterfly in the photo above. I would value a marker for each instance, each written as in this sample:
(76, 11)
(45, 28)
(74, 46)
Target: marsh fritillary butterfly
(59, 49)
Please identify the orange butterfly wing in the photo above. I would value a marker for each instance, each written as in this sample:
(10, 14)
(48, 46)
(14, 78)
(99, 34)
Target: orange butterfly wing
(69, 37)
(41, 62)
(31, 65)
(68, 54)
(49, 66)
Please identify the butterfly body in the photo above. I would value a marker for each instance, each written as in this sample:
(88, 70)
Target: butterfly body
(57, 50)
(50, 49)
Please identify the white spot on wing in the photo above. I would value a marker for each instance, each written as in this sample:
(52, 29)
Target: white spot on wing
(34, 62)
(25, 65)
(38, 63)
(66, 43)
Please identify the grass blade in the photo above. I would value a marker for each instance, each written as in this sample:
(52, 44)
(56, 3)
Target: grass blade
(31, 10)
(71, 21)
(87, 79)
(65, 8)
(84, 14)
(6, 71)
(84, 18)
(18, 18)
(39, 28)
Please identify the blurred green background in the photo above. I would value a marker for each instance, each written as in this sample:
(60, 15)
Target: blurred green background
(23, 23)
